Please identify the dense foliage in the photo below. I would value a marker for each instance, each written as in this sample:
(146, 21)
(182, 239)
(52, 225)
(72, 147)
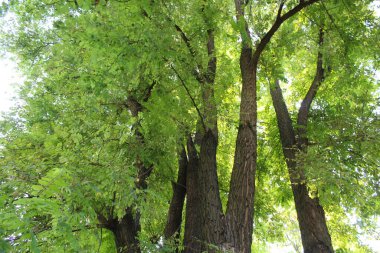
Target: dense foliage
(111, 85)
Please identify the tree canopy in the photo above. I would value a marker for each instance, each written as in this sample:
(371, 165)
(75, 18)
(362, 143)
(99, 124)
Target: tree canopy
(251, 109)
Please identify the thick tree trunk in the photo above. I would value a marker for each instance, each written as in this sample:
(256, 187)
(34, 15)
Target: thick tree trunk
(204, 229)
(211, 213)
(239, 215)
(311, 218)
(192, 240)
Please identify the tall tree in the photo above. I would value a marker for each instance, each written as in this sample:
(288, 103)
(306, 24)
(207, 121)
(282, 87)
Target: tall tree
(131, 106)
(241, 195)
(311, 216)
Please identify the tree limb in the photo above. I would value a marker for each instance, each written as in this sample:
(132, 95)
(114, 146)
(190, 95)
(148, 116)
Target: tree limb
(303, 112)
(191, 97)
(276, 25)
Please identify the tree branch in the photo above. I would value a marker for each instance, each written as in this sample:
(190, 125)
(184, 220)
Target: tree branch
(276, 25)
(197, 72)
(303, 112)
(280, 9)
(184, 38)
(148, 91)
(191, 97)
(284, 121)
(318, 78)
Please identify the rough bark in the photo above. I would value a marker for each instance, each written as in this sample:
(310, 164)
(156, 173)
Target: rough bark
(211, 212)
(240, 209)
(310, 214)
(311, 218)
(203, 192)
(193, 224)
(239, 215)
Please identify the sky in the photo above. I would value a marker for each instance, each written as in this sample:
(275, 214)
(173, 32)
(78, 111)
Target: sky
(9, 80)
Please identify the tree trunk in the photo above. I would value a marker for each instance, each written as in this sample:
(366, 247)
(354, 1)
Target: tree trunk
(173, 225)
(239, 215)
(127, 228)
(126, 232)
(240, 208)
(211, 213)
(192, 240)
(311, 217)
(204, 207)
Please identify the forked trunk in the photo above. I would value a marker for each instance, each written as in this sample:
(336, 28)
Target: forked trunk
(311, 217)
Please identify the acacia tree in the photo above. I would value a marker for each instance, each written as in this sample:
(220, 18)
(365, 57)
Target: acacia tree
(120, 94)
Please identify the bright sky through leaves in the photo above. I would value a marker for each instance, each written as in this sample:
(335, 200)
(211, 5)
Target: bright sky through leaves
(9, 78)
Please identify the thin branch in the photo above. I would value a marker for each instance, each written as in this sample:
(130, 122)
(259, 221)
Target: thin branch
(198, 71)
(276, 25)
(149, 91)
(191, 97)
(184, 38)
(280, 9)
(318, 78)
(333, 21)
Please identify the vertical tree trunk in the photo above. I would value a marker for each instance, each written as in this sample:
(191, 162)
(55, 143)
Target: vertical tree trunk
(211, 212)
(239, 215)
(311, 217)
(204, 230)
(192, 240)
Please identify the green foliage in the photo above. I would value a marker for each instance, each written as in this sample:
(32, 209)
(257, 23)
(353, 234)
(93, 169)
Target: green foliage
(69, 152)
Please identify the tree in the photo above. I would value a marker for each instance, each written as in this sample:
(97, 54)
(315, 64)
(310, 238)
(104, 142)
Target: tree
(126, 105)
(311, 216)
